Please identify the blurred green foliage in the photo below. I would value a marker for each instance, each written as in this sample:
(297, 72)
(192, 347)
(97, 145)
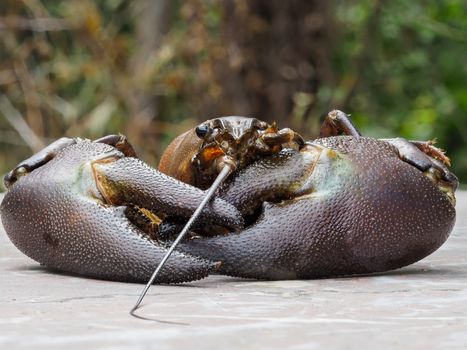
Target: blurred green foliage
(407, 71)
(153, 69)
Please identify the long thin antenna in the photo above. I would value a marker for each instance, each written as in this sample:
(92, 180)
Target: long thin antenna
(226, 170)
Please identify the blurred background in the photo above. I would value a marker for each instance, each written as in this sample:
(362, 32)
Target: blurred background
(152, 69)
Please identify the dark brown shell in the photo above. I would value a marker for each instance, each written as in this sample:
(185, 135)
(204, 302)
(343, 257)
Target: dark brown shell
(369, 212)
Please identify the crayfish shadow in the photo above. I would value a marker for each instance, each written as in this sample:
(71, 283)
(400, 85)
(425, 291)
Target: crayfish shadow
(410, 271)
(44, 270)
(39, 270)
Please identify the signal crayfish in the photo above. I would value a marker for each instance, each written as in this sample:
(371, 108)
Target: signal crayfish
(338, 205)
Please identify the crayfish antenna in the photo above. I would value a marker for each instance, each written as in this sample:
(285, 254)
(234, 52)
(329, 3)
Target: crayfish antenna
(227, 169)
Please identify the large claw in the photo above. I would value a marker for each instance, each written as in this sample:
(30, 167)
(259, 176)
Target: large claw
(358, 209)
(57, 215)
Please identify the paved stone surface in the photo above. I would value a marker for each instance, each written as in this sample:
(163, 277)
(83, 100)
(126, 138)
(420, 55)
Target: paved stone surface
(423, 306)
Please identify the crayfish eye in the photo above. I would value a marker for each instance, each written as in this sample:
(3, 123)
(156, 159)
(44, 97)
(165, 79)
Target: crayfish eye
(202, 130)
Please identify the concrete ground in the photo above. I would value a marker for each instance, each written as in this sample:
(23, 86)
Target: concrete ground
(423, 306)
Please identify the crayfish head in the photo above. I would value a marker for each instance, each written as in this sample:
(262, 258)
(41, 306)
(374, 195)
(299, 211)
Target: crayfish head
(240, 141)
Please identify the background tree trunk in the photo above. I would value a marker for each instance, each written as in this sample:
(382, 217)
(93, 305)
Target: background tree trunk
(276, 50)
(153, 19)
